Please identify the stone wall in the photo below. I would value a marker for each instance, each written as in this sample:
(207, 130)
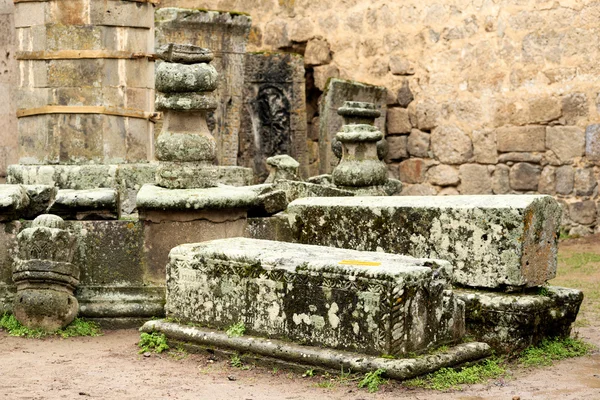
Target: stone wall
(484, 96)
(8, 74)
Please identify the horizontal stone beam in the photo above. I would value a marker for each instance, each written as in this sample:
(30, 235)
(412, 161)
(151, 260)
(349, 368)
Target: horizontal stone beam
(503, 242)
(400, 369)
(374, 303)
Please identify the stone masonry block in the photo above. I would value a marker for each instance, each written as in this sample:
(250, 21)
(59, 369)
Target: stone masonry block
(451, 145)
(484, 146)
(567, 142)
(492, 241)
(525, 176)
(317, 52)
(398, 121)
(525, 138)
(592, 142)
(370, 302)
(475, 179)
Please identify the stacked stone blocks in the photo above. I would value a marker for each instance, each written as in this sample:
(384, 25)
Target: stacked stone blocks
(85, 87)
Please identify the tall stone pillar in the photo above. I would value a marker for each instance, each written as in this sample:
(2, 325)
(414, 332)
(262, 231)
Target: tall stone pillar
(226, 34)
(86, 81)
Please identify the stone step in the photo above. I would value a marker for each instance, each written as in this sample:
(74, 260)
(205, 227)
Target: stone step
(502, 242)
(374, 303)
(327, 359)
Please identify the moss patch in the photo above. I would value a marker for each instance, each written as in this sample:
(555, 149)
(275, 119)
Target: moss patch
(79, 327)
(553, 350)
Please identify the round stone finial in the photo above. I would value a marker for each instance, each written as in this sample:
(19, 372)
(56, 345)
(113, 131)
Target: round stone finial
(48, 221)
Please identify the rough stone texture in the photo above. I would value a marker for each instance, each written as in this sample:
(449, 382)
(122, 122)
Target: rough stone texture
(8, 86)
(418, 189)
(413, 170)
(592, 142)
(8, 250)
(13, 202)
(418, 143)
(176, 77)
(492, 241)
(525, 176)
(567, 142)
(274, 118)
(311, 356)
(512, 322)
(320, 296)
(397, 148)
(528, 138)
(317, 52)
(360, 165)
(583, 212)
(451, 145)
(547, 184)
(297, 189)
(87, 204)
(565, 177)
(585, 182)
(189, 175)
(282, 167)
(443, 175)
(398, 121)
(226, 35)
(533, 158)
(126, 83)
(501, 179)
(339, 91)
(45, 276)
(475, 179)
(484, 146)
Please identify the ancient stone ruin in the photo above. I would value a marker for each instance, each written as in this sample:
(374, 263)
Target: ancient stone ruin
(330, 269)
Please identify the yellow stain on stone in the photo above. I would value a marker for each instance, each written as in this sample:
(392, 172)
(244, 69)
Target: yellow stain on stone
(362, 263)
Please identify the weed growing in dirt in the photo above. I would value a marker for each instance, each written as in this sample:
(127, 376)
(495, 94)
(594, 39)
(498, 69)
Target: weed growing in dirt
(236, 361)
(178, 354)
(156, 342)
(373, 380)
(308, 373)
(553, 350)
(449, 378)
(236, 330)
(79, 327)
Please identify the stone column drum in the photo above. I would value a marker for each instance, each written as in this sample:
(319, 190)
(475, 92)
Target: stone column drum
(45, 275)
(185, 147)
(86, 81)
(360, 165)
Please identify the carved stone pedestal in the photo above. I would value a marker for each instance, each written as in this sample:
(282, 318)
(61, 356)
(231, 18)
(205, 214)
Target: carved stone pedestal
(45, 276)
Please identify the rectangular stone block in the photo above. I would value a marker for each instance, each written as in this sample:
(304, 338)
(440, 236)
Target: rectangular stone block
(337, 92)
(503, 242)
(592, 142)
(30, 13)
(369, 302)
(512, 322)
(521, 138)
(89, 204)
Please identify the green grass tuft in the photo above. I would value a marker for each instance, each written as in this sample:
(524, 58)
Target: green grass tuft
(449, 378)
(553, 350)
(79, 327)
(236, 330)
(156, 342)
(373, 380)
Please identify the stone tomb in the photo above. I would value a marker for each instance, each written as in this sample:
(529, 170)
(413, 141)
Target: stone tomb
(373, 303)
(500, 242)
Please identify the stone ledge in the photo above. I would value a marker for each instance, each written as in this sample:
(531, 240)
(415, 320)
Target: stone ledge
(502, 242)
(87, 204)
(121, 302)
(510, 322)
(400, 369)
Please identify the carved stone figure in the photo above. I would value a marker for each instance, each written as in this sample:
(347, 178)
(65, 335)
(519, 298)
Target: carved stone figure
(45, 275)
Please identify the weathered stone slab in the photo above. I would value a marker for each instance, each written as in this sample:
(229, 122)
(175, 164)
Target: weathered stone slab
(297, 189)
(492, 241)
(592, 142)
(155, 198)
(226, 34)
(40, 198)
(336, 94)
(13, 202)
(512, 322)
(274, 117)
(87, 204)
(372, 302)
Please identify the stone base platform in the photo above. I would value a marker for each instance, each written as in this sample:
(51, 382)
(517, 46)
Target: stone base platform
(370, 302)
(323, 358)
(511, 322)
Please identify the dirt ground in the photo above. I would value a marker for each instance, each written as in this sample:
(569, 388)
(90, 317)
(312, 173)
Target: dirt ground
(109, 366)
